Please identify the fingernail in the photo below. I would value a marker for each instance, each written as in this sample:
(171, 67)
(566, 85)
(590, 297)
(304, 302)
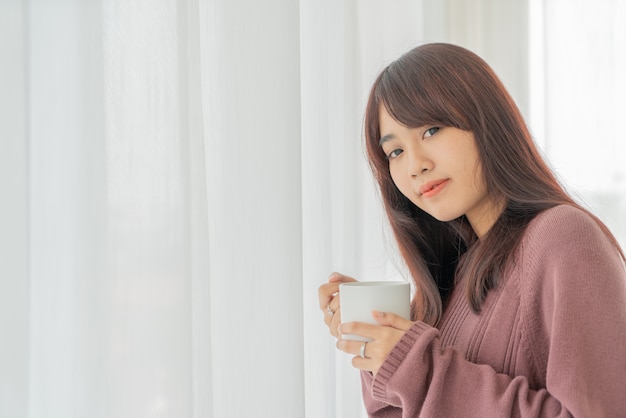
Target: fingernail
(334, 277)
(379, 314)
(339, 331)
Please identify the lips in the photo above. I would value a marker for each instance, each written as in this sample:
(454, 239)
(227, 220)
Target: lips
(431, 188)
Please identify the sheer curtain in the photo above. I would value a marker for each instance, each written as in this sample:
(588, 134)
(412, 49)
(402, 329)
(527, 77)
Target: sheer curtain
(579, 99)
(178, 177)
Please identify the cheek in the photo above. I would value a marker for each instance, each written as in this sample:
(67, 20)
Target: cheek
(398, 180)
(475, 172)
(403, 183)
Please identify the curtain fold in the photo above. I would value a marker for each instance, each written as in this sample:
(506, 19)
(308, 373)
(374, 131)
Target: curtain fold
(14, 220)
(252, 152)
(330, 191)
(58, 115)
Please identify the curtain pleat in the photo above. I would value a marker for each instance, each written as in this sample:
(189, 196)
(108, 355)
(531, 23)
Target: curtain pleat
(251, 99)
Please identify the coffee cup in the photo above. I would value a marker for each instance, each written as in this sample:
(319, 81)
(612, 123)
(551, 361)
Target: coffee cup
(359, 299)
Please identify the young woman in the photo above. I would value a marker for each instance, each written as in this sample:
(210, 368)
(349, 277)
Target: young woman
(520, 308)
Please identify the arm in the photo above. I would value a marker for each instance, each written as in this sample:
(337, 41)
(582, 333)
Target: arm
(420, 378)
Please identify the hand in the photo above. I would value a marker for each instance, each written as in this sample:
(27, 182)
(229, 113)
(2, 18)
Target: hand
(384, 337)
(329, 301)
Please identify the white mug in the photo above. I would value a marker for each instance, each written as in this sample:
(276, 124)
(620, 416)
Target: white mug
(359, 299)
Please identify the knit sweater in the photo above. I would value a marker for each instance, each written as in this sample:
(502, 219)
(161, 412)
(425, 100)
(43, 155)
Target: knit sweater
(549, 341)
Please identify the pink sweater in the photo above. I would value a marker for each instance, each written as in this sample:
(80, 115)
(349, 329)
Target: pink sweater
(550, 341)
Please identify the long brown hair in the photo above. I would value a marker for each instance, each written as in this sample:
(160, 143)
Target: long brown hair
(446, 85)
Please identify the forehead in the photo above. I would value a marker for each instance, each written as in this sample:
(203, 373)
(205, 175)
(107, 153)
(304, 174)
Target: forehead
(385, 120)
(410, 116)
(388, 125)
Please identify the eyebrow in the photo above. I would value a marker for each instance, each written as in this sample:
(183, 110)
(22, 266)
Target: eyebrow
(385, 138)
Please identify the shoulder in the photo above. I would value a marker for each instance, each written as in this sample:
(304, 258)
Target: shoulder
(565, 261)
(561, 219)
(566, 244)
(565, 228)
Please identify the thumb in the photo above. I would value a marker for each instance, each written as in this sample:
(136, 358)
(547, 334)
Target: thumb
(392, 320)
(336, 277)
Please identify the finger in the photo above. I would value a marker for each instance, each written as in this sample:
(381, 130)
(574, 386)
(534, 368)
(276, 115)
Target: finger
(368, 361)
(361, 329)
(352, 347)
(328, 290)
(325, 294)
(331, 309)
(332, 316)
(334, 323)
(363, 364)
(392, 320)
(334, 303)
(336, 277)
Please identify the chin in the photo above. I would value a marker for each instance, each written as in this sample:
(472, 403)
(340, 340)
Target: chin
(444, 216)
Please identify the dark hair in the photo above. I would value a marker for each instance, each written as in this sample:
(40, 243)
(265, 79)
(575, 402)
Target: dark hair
(446, 85)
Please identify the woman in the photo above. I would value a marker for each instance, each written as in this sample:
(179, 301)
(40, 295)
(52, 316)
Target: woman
(520, 303)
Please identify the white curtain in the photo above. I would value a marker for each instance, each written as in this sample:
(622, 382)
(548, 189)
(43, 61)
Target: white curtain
(579, 100)
(179, 176)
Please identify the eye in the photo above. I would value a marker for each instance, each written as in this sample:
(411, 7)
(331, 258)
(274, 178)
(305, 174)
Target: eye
(393, 154)
(431, 131)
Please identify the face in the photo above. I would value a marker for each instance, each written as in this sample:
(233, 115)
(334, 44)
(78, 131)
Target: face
(439, 170)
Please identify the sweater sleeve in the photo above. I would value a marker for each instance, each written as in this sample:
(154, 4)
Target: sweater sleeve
(574, 299)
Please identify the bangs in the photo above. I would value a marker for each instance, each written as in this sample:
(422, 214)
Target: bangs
(417, 97)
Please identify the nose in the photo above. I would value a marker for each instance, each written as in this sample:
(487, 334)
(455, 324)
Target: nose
(418, 163)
